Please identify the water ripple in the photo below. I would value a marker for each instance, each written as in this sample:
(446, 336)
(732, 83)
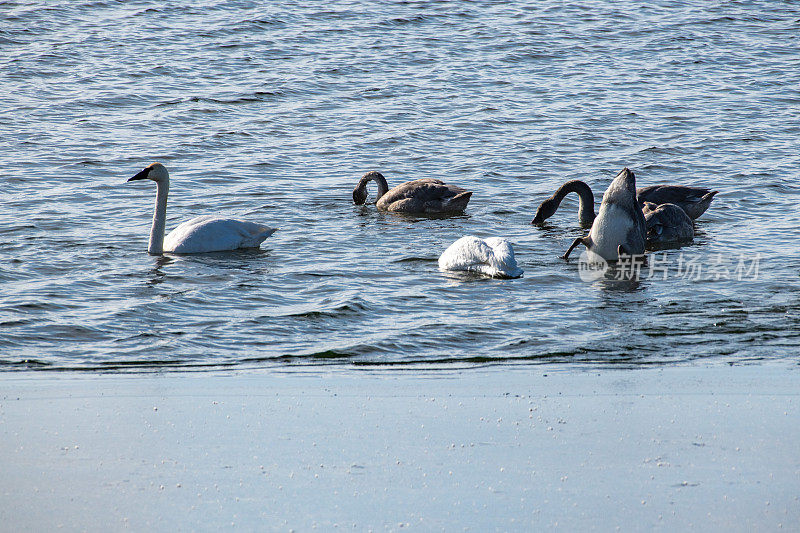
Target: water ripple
(273, 113)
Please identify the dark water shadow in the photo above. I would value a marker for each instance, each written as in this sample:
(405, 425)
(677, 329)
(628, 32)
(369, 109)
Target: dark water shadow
(661, 246)
(367, 210)
(156, 274)
(620, 278)
(471, 277)
(229, 258)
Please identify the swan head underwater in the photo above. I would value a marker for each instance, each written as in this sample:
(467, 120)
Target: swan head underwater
(493, 257)
(422, 196)
(360, 192)
(585, 208)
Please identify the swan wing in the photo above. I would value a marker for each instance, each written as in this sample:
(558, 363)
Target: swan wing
(668, 223)
(425, 194)
(212, 234)
(491, 257)
(693, 200)
(670, 194)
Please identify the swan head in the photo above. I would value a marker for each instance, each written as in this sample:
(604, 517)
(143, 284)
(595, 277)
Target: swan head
(360, 192)
(155, 171)
(359, 195)
(545, 211)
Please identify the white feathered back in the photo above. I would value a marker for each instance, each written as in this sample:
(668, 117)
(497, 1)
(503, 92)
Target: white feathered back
(491, 257)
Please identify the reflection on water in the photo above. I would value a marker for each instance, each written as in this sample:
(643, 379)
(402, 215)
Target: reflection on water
(616, 282)
(157, 273)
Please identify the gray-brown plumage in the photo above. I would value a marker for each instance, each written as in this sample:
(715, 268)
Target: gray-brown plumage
(585, 207)
(667, 224)
(693, 200)
(425, 195)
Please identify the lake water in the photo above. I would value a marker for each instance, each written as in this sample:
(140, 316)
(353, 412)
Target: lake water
(272, 112)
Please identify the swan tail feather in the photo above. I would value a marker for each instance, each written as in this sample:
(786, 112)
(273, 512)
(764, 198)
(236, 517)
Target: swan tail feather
(458, 202)
(492, 257)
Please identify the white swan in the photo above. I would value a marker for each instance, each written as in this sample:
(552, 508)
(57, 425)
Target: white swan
(198, 235)
(491, 257)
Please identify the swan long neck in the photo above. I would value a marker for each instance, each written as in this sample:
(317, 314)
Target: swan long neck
(156, 246)
(383, 187)
(360, 192)
(586, 199)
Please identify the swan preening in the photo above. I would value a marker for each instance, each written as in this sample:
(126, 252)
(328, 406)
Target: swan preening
(426, 195)
(491, 257)
(198, 235)
(693, 200)
(619, 227)
(667, 224)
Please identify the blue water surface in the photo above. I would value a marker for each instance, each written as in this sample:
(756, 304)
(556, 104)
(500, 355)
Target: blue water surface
(273, 111)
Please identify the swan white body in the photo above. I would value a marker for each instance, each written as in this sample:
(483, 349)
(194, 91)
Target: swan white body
(610, 228)
(211, 234)
(491, 257)
(198, 235)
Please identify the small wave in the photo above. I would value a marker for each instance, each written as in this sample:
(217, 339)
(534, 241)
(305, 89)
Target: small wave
(334, 356)
(403, 21)
(149, 10)
(257, 96)
(141, 366)
(116, 101)
(60, 333)
(223, 134)
(14, 323)
(25, 364)
(350, 308)
(266, 22)
(39, 306)
(374, 93)
(415, 260)
(13, 229)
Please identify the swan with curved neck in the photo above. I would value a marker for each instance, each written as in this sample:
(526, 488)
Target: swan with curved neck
(585, 207)
(693, 200)
(619, 227)
(200, 234)
(425, 195)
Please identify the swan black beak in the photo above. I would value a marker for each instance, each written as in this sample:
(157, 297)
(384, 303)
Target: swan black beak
(141, 175)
